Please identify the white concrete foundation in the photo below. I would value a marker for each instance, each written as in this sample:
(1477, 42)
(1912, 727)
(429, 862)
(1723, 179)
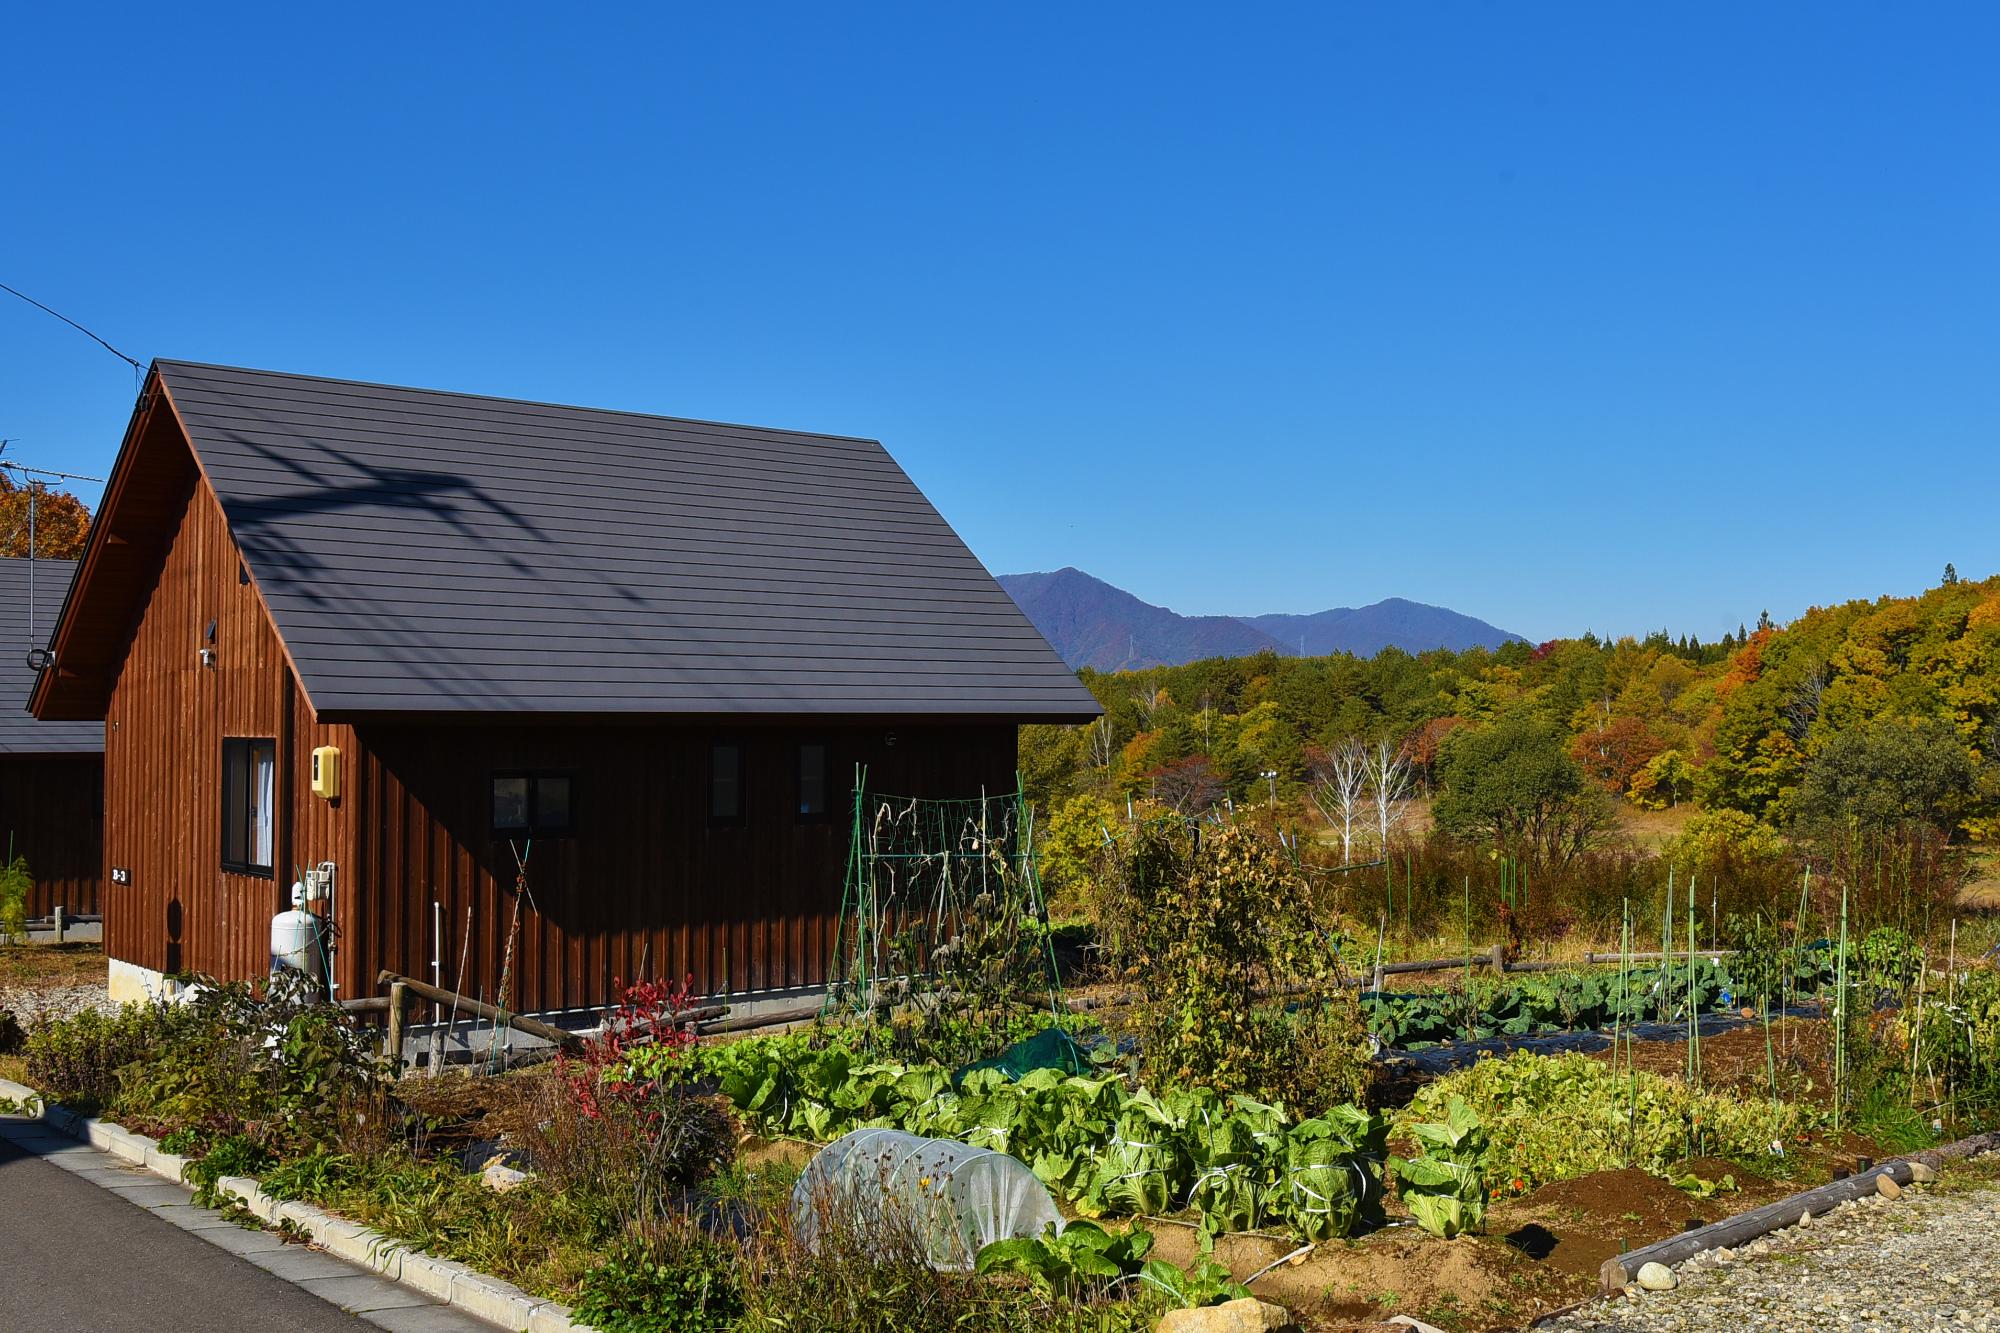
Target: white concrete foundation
(130, 983)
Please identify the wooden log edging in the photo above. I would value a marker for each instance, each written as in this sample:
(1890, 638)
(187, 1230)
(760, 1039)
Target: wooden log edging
(1618, 1273)
(452, 1283)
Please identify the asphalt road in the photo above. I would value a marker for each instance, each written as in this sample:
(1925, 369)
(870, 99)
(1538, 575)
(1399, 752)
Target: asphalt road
(83, 1247)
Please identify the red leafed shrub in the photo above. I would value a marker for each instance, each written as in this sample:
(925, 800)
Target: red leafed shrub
(599, 1077)
(631, 1142)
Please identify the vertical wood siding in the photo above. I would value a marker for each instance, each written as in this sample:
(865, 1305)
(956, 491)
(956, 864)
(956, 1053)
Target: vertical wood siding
(51, 811)
(163, 754)
(646, 887)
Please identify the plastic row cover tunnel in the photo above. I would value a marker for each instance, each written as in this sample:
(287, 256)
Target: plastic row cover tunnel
(948, 1197)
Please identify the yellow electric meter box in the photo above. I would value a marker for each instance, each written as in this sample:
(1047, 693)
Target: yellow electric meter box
(326, 772)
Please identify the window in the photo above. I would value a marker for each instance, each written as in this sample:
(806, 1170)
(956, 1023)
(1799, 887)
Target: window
(536, 805)
(725, 783)
(812, 782)
(249, 805)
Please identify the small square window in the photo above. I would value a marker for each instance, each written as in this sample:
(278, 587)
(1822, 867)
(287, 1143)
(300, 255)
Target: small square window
(510, 804)
(812, 782)
(532, 804)
(551, 802)
(725, 783)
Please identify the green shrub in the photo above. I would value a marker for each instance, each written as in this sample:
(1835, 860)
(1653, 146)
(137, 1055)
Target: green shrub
(1555, 1117)
(1957, 1034)
(686, 1282)
(1208, 918)
(76, 1060)
(16, 883)
(233, 1155)
(279, 1066)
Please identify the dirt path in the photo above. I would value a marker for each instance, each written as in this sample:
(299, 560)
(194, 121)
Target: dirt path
(1925, 1261)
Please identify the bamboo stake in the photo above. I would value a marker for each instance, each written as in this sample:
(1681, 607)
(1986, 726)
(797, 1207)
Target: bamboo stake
(1618, 1025)
(1951, 999)
(1917, 1038)
(1840, 1017)
(1666, 945)
(1694, 1006)
(1468, 958)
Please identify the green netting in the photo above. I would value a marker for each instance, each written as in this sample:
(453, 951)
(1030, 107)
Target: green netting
(941, 898)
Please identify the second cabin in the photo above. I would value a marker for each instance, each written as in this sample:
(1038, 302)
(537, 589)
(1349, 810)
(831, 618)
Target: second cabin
(538, 697)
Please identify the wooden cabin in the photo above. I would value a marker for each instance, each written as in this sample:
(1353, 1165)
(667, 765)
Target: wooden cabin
(51, 773)
(553, 696)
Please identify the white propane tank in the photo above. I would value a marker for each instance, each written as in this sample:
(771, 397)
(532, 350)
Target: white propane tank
(295, 938)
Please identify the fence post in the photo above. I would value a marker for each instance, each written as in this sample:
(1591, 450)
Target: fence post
(60, 923)
(1500, 958)
(397, 1000)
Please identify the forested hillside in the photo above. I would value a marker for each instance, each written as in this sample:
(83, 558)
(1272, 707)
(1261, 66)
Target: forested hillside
(1868, 713)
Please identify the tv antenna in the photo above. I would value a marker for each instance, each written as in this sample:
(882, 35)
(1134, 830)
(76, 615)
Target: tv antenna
(39, 658)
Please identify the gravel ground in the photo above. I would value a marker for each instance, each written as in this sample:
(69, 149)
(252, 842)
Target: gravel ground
(27, 1002)
(1924, 1261)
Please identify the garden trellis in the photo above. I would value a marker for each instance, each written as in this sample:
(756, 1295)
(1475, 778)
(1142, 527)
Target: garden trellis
(942, 890)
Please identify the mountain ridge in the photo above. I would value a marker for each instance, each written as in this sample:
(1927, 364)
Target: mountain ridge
(1097, 624)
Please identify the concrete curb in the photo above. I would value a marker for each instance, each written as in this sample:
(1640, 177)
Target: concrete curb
(483, 1297)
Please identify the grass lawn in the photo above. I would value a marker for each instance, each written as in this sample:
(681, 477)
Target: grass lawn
(48, 966)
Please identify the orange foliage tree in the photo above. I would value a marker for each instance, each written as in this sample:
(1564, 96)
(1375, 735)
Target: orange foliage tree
(61, 521)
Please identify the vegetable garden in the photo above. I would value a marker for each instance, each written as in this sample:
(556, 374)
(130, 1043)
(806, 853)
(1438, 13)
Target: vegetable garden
(1217, 1126)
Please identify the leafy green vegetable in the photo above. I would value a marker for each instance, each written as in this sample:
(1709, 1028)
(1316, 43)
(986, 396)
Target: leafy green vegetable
(1067, 1261)
(1444, 1187)
(1105, 1149)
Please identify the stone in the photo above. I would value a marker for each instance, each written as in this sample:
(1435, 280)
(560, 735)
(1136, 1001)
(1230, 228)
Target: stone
(1886, 1186)
(1238, 1316)
(500, 1177)
(1923, 1173)
(1414, 1325)
(1657, 1277)
(1725, 1257)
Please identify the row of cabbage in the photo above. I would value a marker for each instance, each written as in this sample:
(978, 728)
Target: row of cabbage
(1567, 1001)
(1103, 1148)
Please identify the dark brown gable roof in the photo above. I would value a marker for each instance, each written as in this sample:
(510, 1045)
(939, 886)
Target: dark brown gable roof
(20, 733)
(436, 552)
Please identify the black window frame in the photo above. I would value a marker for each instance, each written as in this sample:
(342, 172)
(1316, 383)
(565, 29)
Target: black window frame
(534, 827)
(799, 812)
(740, 815)
(248, 748)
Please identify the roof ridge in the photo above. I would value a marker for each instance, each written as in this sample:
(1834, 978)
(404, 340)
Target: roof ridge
(169, 362)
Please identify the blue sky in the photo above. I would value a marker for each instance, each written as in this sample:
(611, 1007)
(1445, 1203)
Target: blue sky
(1565, 316)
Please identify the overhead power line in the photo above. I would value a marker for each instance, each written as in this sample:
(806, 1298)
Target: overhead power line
(73, 324)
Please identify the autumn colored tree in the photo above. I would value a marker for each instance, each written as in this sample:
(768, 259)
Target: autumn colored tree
(61, 521)
(1426, 745)
(1613, 754)
(1189, 785)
